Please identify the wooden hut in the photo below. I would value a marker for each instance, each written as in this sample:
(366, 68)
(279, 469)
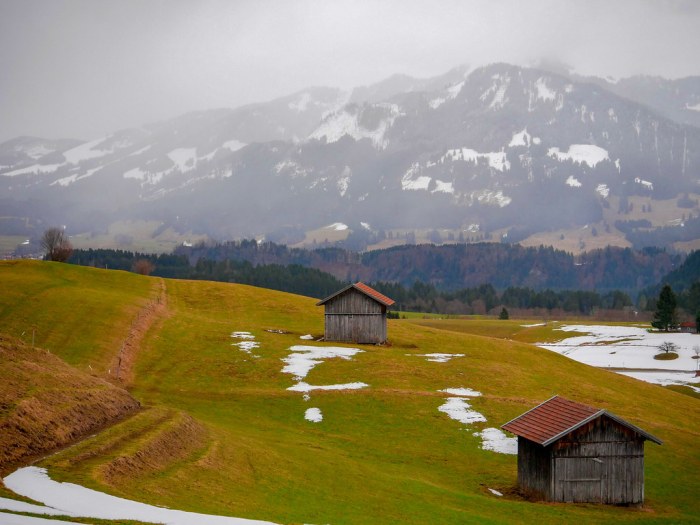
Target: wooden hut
(356, 314)
(570, 452)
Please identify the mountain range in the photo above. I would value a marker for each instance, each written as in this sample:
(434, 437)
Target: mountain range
(502, 152)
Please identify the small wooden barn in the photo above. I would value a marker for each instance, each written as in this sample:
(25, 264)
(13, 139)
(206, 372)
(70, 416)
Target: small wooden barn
(356, 314)
(570, 452)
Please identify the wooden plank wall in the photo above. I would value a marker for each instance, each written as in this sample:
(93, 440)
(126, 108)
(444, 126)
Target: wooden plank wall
(354, 317)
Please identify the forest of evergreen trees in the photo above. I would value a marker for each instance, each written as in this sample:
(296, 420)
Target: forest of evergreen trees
(295, 278)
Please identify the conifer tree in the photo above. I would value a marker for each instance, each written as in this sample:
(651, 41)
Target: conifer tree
(665, 317)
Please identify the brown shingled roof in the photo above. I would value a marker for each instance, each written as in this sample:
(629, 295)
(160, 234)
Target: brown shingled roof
(367, 290)
(556, 417)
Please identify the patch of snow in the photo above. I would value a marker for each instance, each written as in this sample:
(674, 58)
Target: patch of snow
(465, 392)
(438, 358)
(522, 138)
(36, 152)
(603, 190)
(139, 151)
(185, 159)
(581, 154)
(544, 92)
(695, 107)
(437, 102)
(21, 506)
(495, 492)
(247, 346)
(85, 152)
(314, 415)
(291, 169)
(497, 160)
(458, 409)
(303, 358)
(421, 183)
(67, 181)
(630, 350)
(645, 183)
(77, 501)
(234, 145)
(487, 196)
(366, 226)
(573, 182)
(35, 169)
(343, 122)
(495, 440)
(307, 337)
(337, 226)
(301, 386)
(617, 165)
(536, 140)
(242, 335)
(443, 187)
(136, 173)
(533, 325)
(25, 243)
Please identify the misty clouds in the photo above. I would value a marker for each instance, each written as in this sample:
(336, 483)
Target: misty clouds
(82, 68)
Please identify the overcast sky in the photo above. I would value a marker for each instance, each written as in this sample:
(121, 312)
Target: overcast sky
(84, 68)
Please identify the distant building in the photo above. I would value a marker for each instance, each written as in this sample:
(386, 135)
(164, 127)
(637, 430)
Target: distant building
(688, 327)
(356, 314)
(570, 452)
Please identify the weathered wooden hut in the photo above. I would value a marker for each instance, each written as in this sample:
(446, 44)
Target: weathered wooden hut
(357, 314)
(570, 452)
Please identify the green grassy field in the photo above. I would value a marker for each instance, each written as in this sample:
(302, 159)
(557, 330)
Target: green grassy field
(383, 454)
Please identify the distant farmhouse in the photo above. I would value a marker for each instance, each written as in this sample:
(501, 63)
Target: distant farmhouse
(570, 452)
(356, 314)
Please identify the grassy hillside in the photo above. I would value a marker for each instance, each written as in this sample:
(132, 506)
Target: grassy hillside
(222, 434)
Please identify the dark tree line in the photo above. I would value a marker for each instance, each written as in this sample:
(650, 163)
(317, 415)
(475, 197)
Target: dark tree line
(295, 278)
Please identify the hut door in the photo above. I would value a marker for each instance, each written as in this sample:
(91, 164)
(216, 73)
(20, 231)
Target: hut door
(578, 480)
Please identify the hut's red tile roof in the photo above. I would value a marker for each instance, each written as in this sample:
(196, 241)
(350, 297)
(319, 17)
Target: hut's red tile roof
(558, 416)
(367, 290)
(374, 294)
(550, 419)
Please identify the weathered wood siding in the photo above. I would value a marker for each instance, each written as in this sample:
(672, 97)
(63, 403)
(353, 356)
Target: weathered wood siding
(354, 317)
(601, 462)
(534, 468)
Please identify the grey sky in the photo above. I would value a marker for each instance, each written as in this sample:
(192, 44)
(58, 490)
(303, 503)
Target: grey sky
(83, 68)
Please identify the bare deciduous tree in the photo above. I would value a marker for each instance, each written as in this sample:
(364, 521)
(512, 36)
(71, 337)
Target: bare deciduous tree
(143, 267)
(668, 346)
(56, 244)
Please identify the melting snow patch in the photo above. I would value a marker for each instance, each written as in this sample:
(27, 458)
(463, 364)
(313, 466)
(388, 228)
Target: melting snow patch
(85, 151)
(580, 153)
(307, 337)
(603, 190)
(495, 440)
(443, 187)
(630, 350)
(495, 492)
(242, 335)
(314, 415)
(648, 185)
(438, 358)
(459, 410)
(233, 145)
(695, 107)
(77, 501)
(496, 159)
(520, 139)
(366, 226)
(36, 169)
(303, 358)
(533, 325)
(465, 392)
(337, 226)
(543, 90)
(573, 182)
(301, 386)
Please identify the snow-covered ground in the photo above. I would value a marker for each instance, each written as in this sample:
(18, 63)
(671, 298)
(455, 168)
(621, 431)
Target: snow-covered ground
(248, 344)
(459, 409)
(630, 350)
(438, 357)
(303, 359)
(73, 500)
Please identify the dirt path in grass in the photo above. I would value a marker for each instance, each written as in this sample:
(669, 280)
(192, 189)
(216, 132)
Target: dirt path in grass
(122, 369)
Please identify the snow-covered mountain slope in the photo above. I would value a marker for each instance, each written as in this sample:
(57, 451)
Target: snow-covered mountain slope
(497, 147)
